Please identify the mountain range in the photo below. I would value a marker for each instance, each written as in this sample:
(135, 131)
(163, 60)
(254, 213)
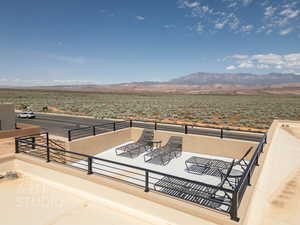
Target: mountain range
(196, 83)
(246, 79)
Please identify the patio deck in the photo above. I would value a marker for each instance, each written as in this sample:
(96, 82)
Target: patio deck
(176, 167)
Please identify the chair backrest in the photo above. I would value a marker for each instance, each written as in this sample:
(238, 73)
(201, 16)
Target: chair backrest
(245, 155)
(224, 177)
(214, 190)
(174, 144)
(146, 136)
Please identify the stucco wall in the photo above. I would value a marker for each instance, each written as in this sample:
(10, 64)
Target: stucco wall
(204, 144)
(101, 142)
(7, 146)
(281, 161)
(22, 130)
(7, 116)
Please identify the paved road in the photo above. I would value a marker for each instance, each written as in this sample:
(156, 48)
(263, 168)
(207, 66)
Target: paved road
(60, 124)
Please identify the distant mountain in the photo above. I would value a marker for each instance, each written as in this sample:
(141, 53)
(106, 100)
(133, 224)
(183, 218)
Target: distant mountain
(200, 83)
(245, 79)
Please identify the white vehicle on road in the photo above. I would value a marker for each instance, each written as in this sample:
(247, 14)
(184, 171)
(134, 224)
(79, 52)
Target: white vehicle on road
(26, 115)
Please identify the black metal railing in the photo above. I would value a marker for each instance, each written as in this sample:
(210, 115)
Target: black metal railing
(246, 178)
(77, 133)
(182, 188)
(198, 192)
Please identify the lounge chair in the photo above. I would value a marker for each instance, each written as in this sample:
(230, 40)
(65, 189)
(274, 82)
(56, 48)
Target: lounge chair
(199, 165)
(163, 155)
(198, 193)
(132, 150)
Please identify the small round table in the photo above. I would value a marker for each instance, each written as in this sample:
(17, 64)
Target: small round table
(156, 143)
(234, 174)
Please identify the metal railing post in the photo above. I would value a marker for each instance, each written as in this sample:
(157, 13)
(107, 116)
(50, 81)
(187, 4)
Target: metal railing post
(130, 123)
(265, 137)
(69, 135)
(155, 125)
(90, 165)
(33, 143)
(222, 133)
(114, 126)
(256, 161)
(17, 150)
(48, 149)
(94, 130)
(234, 207)
(146, 181)
(249, 179)
(185, 129)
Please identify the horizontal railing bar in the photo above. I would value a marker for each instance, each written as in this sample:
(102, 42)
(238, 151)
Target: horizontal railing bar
(118, 169)
(116, 178)
(194, 126)
(247, 135)
(32, 135)
(120, 174)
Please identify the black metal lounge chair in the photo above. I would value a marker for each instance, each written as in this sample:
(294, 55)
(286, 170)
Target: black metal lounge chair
(209, 196)
(163, 155)
(132, 150)
(199, 165)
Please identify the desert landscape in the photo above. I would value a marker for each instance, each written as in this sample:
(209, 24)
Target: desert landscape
(246, 111)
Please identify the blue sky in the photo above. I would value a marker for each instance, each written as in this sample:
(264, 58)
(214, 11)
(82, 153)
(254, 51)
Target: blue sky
(112, 41)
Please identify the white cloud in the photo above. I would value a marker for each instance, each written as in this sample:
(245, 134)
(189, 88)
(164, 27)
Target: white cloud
(293, 60)
(268, 59)
(199, 28)
(277, 17)
(286, 31)
(290, 13)
(189, 4)
(246, 65)
(205, 8)
(269, 11)
(238, 56)
(247, 28)
(27, 83)
(73, 59)
(232, 5)
(247, 2)
(232, 67)
(169, 26)
(234, 22)
(285, 62)
(262, 66)
(140, 18)
(219, 26)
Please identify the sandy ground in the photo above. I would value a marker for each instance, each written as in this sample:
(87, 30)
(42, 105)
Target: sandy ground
(285, 204)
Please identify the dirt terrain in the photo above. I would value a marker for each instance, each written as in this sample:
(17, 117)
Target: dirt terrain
(280, 89)
(167, 120)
